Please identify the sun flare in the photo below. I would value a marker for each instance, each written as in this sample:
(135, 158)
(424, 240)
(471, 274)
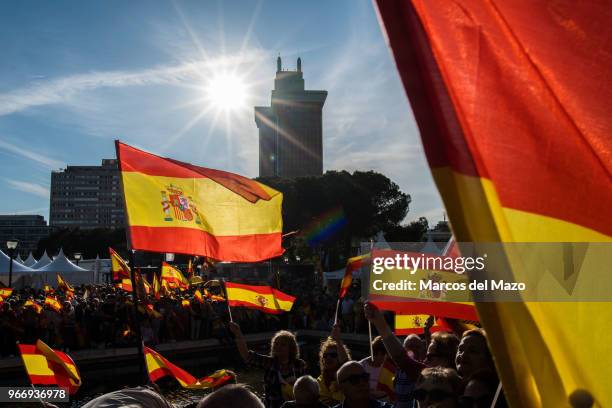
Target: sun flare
(227, 91)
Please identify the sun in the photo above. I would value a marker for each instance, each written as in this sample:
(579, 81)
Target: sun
(227, 91)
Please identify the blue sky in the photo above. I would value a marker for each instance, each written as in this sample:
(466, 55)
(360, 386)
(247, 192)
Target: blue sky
(76, 75)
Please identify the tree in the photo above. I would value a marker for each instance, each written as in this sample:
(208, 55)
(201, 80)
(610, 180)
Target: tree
(412, 232)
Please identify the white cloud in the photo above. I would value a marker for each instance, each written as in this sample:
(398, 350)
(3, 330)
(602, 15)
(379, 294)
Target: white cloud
(31, 188)
(29, 154)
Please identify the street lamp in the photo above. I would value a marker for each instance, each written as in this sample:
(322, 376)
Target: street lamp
(77, 257)
(11, 244)
(169, 257)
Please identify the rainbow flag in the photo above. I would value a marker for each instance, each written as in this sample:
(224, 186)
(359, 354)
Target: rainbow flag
(46, 366)
(518, 141)
(265, 298)
(181, 208)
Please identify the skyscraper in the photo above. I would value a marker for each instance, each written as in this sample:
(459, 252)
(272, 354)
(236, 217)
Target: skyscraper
(291, 128)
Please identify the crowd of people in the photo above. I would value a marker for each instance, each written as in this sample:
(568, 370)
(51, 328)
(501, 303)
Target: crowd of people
(441, 369)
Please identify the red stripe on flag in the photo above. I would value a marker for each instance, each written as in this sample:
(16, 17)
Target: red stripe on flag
(239, 248)
(440, 309)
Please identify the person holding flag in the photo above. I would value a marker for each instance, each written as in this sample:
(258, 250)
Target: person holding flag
(282, 367)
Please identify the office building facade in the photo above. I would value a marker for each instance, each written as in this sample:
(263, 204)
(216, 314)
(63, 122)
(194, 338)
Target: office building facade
(291, 128)
(87, 197)
(27, 229)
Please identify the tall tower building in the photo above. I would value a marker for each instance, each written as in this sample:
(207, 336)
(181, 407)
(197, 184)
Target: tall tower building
(291, 128)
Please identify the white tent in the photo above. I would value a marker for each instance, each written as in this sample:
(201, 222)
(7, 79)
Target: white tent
(42, 262)
(73, 274)
(22, 275)
(30, 261)
(430, 248)
(18, 259)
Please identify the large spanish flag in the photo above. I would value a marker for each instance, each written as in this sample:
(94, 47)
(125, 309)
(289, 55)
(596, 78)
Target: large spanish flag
(265, 298)
(512, 100)
(181, 208)
(46, 366)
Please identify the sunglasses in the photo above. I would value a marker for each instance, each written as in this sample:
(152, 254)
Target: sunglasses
(435, 395)
(330, 355)
(356, 378)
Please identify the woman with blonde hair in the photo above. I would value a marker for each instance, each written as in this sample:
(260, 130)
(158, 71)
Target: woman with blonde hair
(282, 367)
(332, 354)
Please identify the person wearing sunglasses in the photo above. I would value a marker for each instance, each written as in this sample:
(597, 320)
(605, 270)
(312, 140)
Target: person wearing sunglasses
(332, 354)
(354, 383)
(437, 387)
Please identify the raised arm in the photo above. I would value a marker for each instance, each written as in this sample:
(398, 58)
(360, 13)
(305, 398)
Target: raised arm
(240, 341)
(394, 347)
(336, 334)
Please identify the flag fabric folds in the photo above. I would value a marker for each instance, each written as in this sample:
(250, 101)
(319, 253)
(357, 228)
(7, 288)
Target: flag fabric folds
(62, 284)
(352, 265)
(198, 296)
(415, 324)
(30, 303)
(386, 379)
(156, 287)
(518, 142)
(46, 366)
(265, 298)
(159, 367)
(119, 267)
(125, 284)
(53, 303)
(173, 277)
(5, 292)
(181, 208)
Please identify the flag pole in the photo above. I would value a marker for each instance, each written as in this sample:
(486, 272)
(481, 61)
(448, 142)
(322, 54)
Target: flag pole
(499, 388)
(337, 308)
(371, 346)
(135, 314)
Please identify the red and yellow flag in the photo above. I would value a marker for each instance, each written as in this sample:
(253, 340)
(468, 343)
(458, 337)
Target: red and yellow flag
(62, 284)
(30, 303)
(264, 298)
(173, 277)
(156, 287)
(198, 296)
(189, 269)
(518, 141)
(386, 379)
(53, 303)
(406, 324)
(5, 292)
(185, 303)
(119, 267)
(125, 284)
(181, 208)
(159, 367)
(46, 366)
(352, 265)
(214, 298)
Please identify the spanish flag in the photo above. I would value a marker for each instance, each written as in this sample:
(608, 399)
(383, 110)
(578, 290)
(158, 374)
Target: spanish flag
(516, 126)
(62, 284)
(119, 267)
(415, 324)
(189, 269)
(5, 292)
(264, 298)
(198, 296)
(386, 379)
(173, 277)
(53, 303)
(30, 303)
(181, 208)
(46, 366)
(125, 284)
(159, 367)
(214, 298)
(156, 287)
(352, 265)
(185, 303)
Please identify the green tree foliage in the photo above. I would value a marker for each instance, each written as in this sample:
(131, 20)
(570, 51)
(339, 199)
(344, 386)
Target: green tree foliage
(412, 232)
(90, 243)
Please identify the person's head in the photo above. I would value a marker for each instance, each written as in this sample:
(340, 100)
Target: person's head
(233, 395)
(416, 346)
(353, 381)
(284, 347)
(306, 390)
(442, 350)
(379, 351)
(480, 390)
(328, 356)
(437, 387)
(473, 353)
